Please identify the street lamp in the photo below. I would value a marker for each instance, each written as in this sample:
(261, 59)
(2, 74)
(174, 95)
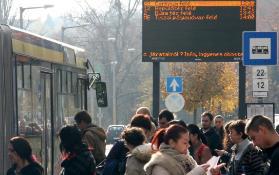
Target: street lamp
(70, 27)
(22, 9)
(131, 49)
(111, 39)
(131, 52)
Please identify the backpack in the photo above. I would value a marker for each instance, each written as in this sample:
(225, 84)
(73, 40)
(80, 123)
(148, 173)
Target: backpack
(114, 167)
(100, 168)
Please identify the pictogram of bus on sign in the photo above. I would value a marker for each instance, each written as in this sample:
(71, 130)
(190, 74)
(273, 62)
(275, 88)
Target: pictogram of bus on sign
(260, 50)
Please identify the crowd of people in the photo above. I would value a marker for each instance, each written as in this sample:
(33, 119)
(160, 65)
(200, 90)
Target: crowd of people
(172, 147)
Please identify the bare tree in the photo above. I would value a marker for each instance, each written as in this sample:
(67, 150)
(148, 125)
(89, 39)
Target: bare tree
(115, 36)
(5, 10)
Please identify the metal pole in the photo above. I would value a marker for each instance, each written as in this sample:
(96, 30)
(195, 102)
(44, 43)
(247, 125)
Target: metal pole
(70, 27)
(100, 116)
(21, 10)
(242, 87)
(113, 93)
(156, 89)
(62, 33)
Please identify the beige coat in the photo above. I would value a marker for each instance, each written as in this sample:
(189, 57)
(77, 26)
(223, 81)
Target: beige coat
(137, 159)
(95, 138)
(158, 170)
(165, 162)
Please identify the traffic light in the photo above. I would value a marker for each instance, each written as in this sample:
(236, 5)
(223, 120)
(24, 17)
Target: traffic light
(101, 94)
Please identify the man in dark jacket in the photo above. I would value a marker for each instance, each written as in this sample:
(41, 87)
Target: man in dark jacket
(212, 138)
(165, 116)
(219, 127)
(262, 133)
(93, 135)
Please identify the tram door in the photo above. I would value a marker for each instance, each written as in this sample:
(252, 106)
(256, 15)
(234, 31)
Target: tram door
(46, 102)
(34, 89)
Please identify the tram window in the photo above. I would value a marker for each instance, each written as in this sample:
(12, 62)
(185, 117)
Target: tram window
(69, 56)
(81, 93)
(27, 76)
(69, 82)
(19, 75)
(64, 82)
(74, 83)
(36, 91)
(59, 85)
(24, 112)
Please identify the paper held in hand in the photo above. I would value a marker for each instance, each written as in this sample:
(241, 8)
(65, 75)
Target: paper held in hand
(213, 163)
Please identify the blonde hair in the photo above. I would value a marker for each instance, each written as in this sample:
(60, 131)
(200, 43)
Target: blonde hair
(143, 110)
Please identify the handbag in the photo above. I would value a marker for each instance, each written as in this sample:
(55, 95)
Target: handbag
(100, 168)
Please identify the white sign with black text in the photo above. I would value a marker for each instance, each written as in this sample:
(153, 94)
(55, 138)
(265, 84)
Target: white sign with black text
(259, 72)
(260, 85)
(260, 81)
(259, 94)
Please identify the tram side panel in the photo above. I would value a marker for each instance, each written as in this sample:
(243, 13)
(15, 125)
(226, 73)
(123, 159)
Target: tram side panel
(7, 94)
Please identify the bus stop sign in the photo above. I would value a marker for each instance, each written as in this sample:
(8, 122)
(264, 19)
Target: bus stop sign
(259, 48)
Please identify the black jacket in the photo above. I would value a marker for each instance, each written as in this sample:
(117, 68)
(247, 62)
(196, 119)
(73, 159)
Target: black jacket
(250, 163)
(31, 169)
(115, 163)
(82, 163)
(273, 156)
(213, 140)
(221, 133)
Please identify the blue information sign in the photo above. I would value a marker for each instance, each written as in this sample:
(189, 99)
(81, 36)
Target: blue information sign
(259, 48)
(174, 85)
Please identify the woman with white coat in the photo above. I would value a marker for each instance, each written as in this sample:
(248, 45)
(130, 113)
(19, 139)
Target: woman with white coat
(173, 158)
(139, 152)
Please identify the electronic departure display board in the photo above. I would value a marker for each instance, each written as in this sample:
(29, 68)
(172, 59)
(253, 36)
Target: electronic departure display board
(196, 30)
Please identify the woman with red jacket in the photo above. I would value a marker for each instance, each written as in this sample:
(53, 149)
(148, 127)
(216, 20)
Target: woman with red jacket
(198, 149)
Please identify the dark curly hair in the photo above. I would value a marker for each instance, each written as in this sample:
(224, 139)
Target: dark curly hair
(71, 139)
(141, 121)
(226, 141)
(133, 136)
(239, 127)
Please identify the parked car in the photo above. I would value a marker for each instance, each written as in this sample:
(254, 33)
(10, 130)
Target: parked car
(114, 133)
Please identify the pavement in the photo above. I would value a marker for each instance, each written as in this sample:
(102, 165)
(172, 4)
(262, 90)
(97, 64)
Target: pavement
(108, 147)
